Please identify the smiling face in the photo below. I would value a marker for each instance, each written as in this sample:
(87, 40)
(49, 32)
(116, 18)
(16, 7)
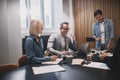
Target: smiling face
(64, 29)
(99, 18)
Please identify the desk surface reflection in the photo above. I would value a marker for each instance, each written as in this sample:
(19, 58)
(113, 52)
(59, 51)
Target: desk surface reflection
(71, 73)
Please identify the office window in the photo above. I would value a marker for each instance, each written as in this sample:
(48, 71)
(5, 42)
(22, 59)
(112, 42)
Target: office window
(23, 13)
(36, 9)
(47, 13)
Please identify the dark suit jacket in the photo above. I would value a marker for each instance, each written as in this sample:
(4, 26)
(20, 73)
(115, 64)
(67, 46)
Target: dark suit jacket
(114, 62)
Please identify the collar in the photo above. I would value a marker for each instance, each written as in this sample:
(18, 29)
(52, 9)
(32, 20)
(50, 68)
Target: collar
(33, 36)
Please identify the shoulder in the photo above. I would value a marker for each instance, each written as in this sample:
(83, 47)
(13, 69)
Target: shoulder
(94, 24)
(55, 35)
(108, 20)
(68, 37)
(29, 39)
(29, 42)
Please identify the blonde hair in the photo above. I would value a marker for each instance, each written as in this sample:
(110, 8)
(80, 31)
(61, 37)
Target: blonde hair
(34, 26)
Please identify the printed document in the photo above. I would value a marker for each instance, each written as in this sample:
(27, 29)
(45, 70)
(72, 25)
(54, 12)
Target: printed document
(77, 61)
(99, 65)
(47, 69)
(53, 62)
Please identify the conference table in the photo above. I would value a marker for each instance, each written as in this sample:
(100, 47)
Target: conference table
(72, 72)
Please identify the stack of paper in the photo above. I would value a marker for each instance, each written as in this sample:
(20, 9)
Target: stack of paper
(77, 61)
(53, 62)
(47, 69)
(68, 56)
(97, 65)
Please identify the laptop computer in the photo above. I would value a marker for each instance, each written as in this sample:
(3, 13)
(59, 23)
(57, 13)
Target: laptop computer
(83, 48)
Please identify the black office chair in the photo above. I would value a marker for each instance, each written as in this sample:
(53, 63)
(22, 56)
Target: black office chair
(45, 40)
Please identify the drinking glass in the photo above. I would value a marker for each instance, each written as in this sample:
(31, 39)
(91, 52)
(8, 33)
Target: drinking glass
(92, 50)
(64, 58)
(89, 57)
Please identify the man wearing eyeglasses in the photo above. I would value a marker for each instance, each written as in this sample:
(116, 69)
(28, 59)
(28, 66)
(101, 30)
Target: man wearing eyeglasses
(60, 43)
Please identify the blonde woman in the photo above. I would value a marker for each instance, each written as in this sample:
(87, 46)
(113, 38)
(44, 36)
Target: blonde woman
(34, 48)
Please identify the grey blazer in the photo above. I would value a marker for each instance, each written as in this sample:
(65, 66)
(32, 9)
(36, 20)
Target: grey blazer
(54, 45)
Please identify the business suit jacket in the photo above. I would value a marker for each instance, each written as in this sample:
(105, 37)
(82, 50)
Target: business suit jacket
(54, 45)
(35, 50)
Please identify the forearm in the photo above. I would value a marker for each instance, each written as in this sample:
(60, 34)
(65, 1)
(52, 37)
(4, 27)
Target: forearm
(53, 51)
(110, 40)
(74, 45)
(39, 60)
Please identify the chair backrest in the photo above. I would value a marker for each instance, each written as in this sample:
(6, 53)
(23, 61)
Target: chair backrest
(22, 60)
(45, 40)
(7, 67)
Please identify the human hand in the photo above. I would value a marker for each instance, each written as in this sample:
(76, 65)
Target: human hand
(108, 46)
(53, 58)
(46, 53)
(98, 39)
(102, 56)
(72, 36)
(64, 52)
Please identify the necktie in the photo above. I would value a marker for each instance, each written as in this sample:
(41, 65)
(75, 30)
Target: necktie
(65, 44)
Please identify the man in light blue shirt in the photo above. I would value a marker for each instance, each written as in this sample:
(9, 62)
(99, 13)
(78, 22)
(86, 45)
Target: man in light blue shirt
(103, 31)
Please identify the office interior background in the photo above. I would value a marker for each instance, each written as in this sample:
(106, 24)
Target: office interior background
(15, 16)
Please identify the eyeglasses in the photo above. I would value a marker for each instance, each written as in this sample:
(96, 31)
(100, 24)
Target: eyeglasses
(66, 28)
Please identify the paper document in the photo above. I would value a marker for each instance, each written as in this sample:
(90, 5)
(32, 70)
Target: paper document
(109, 54)
(97, 65)
(77, 61)
(53, 62)
(47, 69)
(69, 56)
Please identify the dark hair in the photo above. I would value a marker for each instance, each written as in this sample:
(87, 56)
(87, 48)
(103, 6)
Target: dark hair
(61, 25)
(97, 12)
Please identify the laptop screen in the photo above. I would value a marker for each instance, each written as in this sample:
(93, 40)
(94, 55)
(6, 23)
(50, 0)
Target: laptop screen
(83, 47)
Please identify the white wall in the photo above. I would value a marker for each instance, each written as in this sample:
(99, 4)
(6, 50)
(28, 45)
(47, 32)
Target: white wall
(68, 14)
(57, 16)
(10, 35)
(62, 11)
(4, 56)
